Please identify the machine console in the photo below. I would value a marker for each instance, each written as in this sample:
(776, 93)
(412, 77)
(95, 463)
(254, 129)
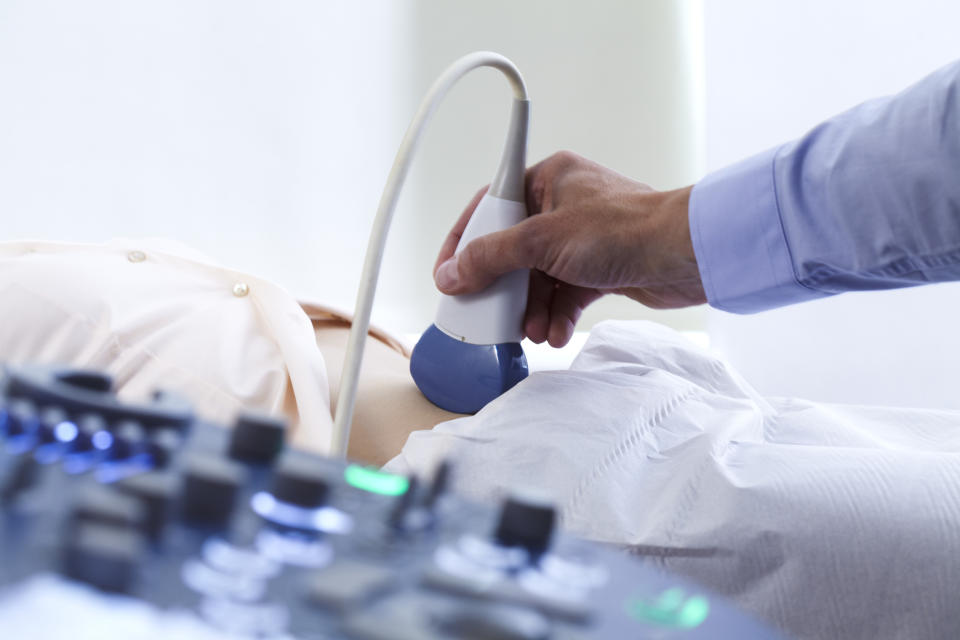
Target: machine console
(143, 521)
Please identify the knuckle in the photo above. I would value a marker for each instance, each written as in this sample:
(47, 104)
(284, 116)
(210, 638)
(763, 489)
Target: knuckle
(536, 192)
(565, 158)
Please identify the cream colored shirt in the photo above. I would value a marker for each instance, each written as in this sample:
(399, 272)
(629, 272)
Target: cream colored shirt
(156, 314)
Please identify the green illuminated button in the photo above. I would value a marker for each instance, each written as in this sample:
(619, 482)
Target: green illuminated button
(375, 481)
(672, 608)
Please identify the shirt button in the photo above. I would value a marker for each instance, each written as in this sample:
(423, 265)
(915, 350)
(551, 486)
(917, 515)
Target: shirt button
(136, 256)
(240, 289)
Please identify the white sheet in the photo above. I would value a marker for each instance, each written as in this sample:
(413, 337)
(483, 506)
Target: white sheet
(827, 520)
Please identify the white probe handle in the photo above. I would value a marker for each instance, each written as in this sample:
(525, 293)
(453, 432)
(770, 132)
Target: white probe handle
(494, 315)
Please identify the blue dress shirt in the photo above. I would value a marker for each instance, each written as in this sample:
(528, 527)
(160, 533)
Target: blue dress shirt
(869, 199)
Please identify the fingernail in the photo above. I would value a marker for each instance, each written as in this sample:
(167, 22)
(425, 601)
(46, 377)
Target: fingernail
(447, 276)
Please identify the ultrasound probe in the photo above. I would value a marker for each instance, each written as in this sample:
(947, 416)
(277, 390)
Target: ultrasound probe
(471, 353)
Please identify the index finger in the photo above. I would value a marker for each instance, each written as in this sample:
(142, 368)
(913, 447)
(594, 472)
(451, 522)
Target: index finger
(453, 238)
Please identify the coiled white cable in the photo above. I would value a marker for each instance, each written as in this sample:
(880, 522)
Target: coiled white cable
(381, 225)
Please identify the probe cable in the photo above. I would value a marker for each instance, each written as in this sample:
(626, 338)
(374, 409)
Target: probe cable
(381, 225)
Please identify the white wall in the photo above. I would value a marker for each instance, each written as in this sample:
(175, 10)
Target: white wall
(259, 132)
(262, 132)
(775, 69)
(617, 81)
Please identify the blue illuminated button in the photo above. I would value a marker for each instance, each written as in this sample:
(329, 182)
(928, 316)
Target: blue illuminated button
(672, 608)
(91, 430)
(55, 426)
(66, 431)
(102, 440)
(375, 481)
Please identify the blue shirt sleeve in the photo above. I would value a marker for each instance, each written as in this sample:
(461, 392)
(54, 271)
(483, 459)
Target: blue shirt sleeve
(867, 200)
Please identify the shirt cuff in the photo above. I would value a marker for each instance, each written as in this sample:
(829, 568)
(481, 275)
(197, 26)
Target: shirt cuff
(738, 238)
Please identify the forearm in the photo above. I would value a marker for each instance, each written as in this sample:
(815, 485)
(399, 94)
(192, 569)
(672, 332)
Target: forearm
(867, 200)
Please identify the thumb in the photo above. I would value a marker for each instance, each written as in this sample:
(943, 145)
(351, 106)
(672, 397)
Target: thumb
(486, 258)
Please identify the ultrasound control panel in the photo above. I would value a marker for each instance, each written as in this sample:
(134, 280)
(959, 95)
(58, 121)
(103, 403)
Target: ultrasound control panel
(226, 527)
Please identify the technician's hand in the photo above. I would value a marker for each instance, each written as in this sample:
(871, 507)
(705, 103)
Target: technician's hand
(590, 232)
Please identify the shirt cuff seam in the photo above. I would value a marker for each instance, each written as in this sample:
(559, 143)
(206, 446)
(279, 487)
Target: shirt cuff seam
(698, 250)
(900, 267)
(783, 231)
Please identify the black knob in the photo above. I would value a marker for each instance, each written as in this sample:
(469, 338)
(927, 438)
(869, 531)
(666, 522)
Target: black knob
(96, 503)
(129, 438)
(406, 515)
(300, 479)
(526, 520)
(156, 492)
(162, 445)
(17, 476)
(103, 555)
(441, 481)
(257, 438)
(210, 487)
(89, 380)
(22, 418)
(493, 620)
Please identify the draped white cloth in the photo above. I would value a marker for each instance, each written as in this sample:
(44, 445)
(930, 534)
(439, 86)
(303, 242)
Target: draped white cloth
(830, 521)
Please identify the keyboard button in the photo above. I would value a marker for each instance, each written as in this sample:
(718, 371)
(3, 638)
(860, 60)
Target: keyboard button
(210, 488)
(488, 620)
(105, 556)
(156, 492)
(348, 584)
(257, 438)
(103, 505)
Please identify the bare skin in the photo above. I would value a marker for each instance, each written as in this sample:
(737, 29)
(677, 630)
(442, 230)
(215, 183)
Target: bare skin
(591, 232)
(389, 406)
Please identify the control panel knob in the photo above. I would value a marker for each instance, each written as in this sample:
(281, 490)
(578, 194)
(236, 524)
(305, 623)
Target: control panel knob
(103, 555)
(300, 479)
(156, 492)
(210, 486)
(21, 418)
(162, 445)
(527, 521)
(257, 438)
(51, 419)
(17, 476)
(89, 380)
(91, 434)
(103, 505)
(128, 439)
(440, 484)
(406, 515)
(494, 620)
